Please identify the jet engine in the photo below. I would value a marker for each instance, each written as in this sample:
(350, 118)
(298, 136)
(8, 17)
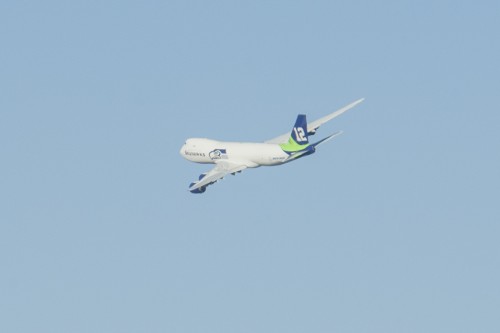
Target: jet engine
(198, 190)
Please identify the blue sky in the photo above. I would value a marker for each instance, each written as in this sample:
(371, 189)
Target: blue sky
(393, 226)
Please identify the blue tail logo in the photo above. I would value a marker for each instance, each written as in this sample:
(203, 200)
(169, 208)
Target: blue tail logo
(299, 132)
(298, 140)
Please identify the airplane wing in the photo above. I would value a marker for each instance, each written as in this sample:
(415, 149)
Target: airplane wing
(313, 126)
(311, 149)
(328, 138)
(221, 169)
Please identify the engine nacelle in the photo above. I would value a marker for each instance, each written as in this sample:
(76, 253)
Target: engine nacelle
(198, 190)
(308, 151)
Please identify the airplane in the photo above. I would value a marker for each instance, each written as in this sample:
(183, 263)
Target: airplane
(234, 157)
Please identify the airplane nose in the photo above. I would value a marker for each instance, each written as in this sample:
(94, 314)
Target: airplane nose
(182, 150)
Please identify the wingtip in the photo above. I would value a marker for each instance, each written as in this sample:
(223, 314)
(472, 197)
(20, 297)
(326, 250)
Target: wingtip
(353, 104)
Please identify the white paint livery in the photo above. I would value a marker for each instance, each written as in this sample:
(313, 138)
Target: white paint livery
(233, 157)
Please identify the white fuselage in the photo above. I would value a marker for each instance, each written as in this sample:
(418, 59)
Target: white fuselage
(249, 154)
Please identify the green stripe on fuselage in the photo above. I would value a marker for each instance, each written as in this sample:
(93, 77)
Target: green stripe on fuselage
(292, 147)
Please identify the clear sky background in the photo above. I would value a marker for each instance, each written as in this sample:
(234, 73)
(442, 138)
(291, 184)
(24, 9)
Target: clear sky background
(391, 227)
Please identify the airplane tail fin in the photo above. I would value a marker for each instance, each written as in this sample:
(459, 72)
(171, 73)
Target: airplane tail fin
(298, 138)
(299, 131)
